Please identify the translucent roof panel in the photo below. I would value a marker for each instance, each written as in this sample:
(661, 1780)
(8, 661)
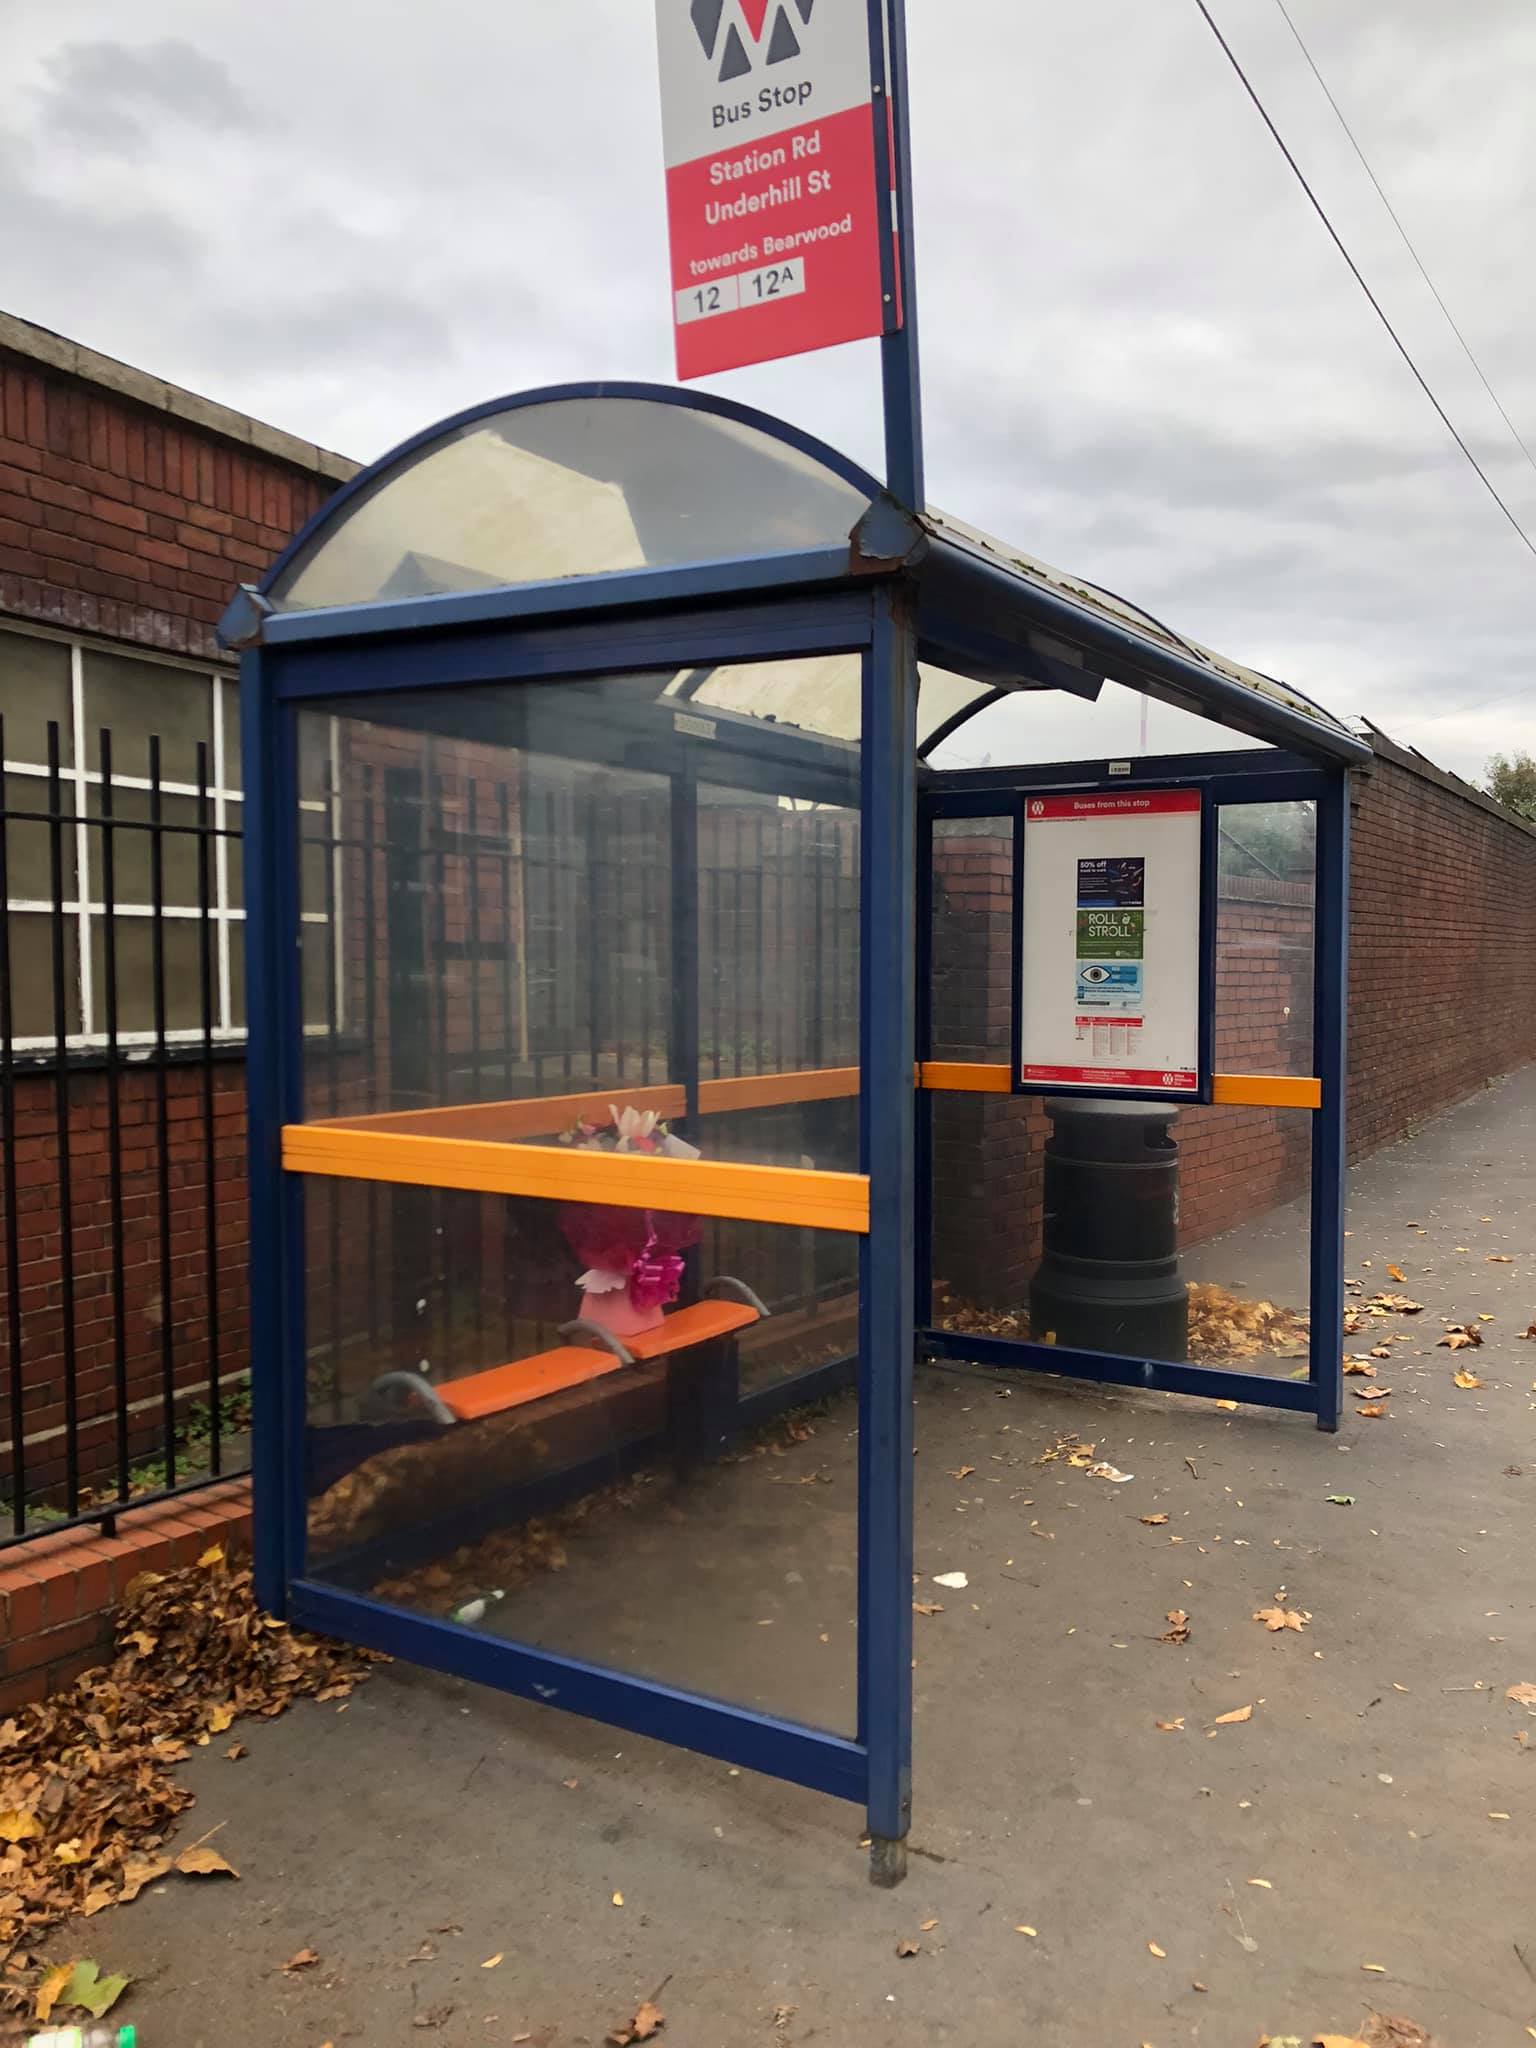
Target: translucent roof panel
(562, 487)
(820, 694)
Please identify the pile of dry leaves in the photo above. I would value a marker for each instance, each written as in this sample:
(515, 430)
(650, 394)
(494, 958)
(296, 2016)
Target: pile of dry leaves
(1222, 1325)
(87, 1795)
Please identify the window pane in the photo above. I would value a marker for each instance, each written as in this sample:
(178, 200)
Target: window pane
(135, 981)
(1267, 878)
(133, 841)
(134, 699)
(596, 1511)
(34, 688)
(28, 839)
(572, 488)
(31, 949)
(230, 694)
(234, 855)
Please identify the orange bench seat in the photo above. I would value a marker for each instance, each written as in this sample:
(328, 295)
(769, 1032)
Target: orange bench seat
(526, 1379)
(501, 1387)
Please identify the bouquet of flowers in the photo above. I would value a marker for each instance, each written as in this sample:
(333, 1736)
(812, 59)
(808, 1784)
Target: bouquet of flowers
(632, 1257)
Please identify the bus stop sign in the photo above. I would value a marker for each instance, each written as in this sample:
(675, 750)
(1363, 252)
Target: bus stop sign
(773, 199)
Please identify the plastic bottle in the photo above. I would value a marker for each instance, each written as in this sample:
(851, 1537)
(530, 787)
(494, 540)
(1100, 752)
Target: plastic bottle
(102, 2035)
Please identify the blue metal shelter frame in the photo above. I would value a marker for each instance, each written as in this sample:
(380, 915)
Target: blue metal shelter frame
(906, 588)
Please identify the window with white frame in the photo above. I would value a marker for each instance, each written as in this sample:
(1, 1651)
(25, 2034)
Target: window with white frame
(63, 896)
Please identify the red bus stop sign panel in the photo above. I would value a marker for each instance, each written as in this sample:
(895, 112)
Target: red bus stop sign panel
(773, 210)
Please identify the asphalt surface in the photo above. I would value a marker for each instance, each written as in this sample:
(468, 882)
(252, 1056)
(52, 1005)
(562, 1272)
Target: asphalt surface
(1203, 1883)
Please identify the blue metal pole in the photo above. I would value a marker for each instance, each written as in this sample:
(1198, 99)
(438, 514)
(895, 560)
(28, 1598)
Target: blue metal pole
(264, 1118)
(887, 1046)
(899, 363)
(1330, 1027)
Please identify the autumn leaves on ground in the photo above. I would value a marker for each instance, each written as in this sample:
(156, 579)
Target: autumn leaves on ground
(88, 1792)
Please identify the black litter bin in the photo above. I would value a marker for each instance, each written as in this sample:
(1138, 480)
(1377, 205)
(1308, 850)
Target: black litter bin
(1109, 1276)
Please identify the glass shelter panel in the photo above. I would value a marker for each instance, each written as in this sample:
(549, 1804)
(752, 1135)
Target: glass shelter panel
(571, 487)
(458, 1466)
(1189, 1245)
(525, 906)
(972, 940)
(1266, 885)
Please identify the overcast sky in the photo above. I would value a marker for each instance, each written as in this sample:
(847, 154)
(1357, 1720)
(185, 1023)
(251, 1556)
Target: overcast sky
(1143, 359)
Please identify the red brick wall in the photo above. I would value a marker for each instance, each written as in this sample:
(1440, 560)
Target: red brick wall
(1442, 949)
(119, 520)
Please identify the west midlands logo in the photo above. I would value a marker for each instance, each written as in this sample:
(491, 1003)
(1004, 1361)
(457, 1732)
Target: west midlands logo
(736, 60)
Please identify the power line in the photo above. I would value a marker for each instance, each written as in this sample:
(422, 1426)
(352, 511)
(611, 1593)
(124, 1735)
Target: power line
(1355, 272)
(1466, 346)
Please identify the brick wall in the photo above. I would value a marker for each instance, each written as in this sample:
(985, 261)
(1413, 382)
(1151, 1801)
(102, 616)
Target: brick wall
(130, 518)
(1442, 946)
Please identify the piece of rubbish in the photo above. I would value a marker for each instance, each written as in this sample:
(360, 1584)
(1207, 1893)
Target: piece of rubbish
(105, 2036)
(476, 1610)
(1110, 1472)
(955, 1581)
(1341, 1500)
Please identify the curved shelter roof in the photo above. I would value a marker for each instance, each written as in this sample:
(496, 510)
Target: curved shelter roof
(589, 496)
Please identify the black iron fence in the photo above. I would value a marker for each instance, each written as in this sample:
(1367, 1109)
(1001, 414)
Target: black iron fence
(122, 1346)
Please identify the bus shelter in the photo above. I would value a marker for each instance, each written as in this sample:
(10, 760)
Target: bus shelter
(636, 1005)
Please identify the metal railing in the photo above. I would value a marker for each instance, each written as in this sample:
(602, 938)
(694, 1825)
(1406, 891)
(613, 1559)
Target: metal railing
(122, 1380)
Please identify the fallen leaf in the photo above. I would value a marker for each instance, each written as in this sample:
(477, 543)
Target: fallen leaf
(1153, 1521)
(301, 1959)
(1372, 1411)
(1228, 1404)
(1261, 1883)
(1396, 1273)
(17, 1825)
(1374, 1392)
(570, 1784)
(1277, 1618)
(927, 1926)
(649, 2019)
(1030, 1931)
(200, 1862)
(962, 1472)
(1523, 1695)
(1498, 1259)
(1237, 1714)
(907, 1946)
(213, 1555)
(1341, 1500)
(47, 1994)
(1463, 1378)
(1376, 1969)
(927, 1606)
(1177, 1630)
(1337, 2041)
(97, 1901)
(1171, 1727)
(88, 1988)
(1154, 1950)
(139, 1871)
(955, 1581)
(491, 1962)
(235, 1751)
(1498, 1816)
(618, 1898)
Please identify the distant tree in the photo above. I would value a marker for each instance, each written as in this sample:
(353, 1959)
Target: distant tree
(1512, 782)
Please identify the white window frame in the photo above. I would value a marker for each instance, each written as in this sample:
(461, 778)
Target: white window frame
(88, 913)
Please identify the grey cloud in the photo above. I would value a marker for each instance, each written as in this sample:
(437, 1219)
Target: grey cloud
(109, 95)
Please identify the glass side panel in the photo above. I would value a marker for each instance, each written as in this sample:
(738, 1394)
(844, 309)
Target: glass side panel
(1176, 1234)
(941, 694)
(972, 940)
(1267, 887)
(691, 1517)
(525, 893)
(574, 487)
